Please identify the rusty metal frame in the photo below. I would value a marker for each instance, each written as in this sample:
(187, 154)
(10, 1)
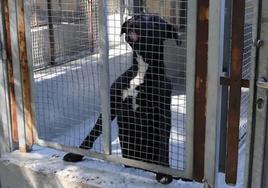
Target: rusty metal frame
(227, 81)
(237, 45)
(200, 89)
(25, 75)
(13, 105)
(21, 72)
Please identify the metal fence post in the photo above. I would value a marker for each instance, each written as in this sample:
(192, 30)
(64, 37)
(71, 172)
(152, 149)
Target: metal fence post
(21, 75)
(200, 88)
(5, 129)
(226, 29)
(190, 80)
(104, 76)
(213, 94)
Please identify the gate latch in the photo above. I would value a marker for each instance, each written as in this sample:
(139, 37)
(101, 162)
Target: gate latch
(262, 83)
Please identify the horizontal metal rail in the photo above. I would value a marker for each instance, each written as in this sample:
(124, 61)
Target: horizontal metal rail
(115, 159)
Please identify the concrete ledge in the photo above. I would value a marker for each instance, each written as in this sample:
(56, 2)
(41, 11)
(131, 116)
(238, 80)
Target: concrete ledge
(44, 168)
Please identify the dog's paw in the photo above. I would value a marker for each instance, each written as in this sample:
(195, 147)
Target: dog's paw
(163, 178)
(72, 157)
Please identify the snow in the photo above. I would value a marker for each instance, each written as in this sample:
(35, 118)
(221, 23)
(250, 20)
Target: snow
(90, 171)
(99, 173)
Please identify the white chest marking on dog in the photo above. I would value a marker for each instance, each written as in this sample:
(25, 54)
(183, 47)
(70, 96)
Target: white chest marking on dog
(135, 82)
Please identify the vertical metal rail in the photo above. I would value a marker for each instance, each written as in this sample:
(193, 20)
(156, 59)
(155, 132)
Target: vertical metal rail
(190, 81)
(51, 32)
(5, 133)
(213, 109)
(225, 88)
(13, 110)
(104, 75)
(25, 79)
(17, 74)
(237, 44)
(200, 89)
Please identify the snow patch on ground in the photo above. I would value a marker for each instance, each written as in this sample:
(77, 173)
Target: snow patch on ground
(90, 171)
(102, 174)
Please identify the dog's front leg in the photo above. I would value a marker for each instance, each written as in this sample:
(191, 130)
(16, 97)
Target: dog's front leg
(87, 142)
(92, 136)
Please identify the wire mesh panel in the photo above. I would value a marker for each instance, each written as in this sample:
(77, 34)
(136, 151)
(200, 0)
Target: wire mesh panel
(62, 31)
(66, 95)
(147, 75)
(140, 125)
(246, 69)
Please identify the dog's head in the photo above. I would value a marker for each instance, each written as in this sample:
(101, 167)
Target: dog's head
(147, 32)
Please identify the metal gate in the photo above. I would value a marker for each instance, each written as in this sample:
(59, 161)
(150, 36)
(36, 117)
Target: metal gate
(71, 60)
(73, 73)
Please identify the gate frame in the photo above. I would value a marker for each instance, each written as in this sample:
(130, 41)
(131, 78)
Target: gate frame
(23, 69)
(213, 84)
(213, 110)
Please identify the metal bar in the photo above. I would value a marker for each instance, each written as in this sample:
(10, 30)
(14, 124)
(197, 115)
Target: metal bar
(25, 76)
(227, 81)
(116, 159)
(51, 32)
(5, 133)
(28, 38)
(213, 110)
(200, 88)
(237, 45)
(104, 76)
(13, 110)
(226, 35)
(190, 81)
(17, 75)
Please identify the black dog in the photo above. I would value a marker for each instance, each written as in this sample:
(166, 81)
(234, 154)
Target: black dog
(141, 97)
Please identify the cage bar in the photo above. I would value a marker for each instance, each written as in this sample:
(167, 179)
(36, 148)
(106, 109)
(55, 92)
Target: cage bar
(104, 76)
(238, 17)
(200, 88)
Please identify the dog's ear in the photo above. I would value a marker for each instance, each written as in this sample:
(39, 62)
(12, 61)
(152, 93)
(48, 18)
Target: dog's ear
(124, 27)
(171, 32)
